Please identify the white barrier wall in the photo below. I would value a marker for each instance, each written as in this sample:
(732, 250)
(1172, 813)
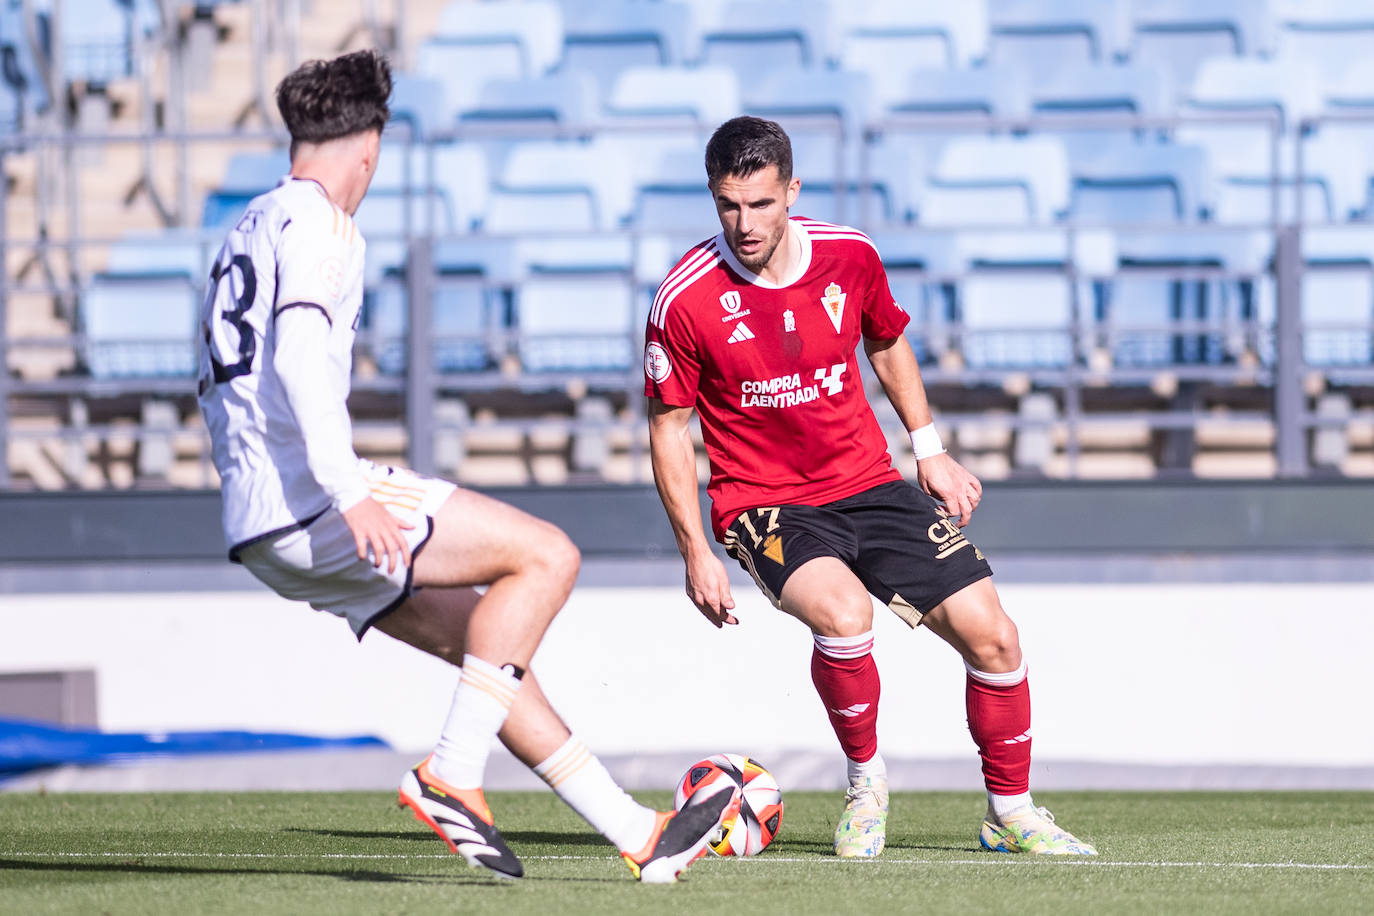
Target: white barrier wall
(1235, 674)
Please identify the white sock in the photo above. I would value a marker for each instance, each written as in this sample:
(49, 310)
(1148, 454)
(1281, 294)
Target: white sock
(480, 706)
(873, 767)
(1002, 805)
(582, 781)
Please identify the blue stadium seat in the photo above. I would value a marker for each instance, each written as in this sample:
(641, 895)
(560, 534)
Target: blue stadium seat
(569, 97)
(246, 176)
(421, 102)
(138, 316)
(514, 38)
(1089, 91)
(1042, 37)
(978, 180)
(465, 321)
(551, 186)
(96, 40)
(1136, 310)
(984, 92)
(910, 260)
(889, 38)
(755, 36)
(577, 322)
(605, 37)
(831, 189)
(22, 90)
(1015, 306)
(1179, 34)
(701, 96)
(1338, 289)
(671, 196)
(1329, 34)
(1128, 182)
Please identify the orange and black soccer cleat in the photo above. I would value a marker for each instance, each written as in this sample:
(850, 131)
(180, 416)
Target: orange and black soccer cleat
(462, 820)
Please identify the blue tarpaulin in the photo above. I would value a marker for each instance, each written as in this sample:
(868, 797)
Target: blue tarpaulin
(26, 745)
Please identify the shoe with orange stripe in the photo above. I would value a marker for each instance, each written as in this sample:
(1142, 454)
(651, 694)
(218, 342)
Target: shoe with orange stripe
(462, 820)
(681, 837)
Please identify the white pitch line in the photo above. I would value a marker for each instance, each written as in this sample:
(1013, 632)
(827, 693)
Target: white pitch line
(998, 862)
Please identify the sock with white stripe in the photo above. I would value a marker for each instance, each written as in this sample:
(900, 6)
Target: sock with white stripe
(846, 677)
(480, 706)
(999, 718)
(581, 780)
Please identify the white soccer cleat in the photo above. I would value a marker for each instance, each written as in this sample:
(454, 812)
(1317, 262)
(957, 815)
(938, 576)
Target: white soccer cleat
(862, 830)
(1031, 829)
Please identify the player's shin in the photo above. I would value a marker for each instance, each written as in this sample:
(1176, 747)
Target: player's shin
(581, 780)
(999, 718)
(846, 677)
(480, 706)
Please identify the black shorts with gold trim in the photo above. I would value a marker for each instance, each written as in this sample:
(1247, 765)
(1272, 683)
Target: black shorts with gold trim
(894, 537)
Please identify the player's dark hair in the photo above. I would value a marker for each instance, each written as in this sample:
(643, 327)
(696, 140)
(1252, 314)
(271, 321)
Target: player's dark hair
(326, 99)
(742, 146)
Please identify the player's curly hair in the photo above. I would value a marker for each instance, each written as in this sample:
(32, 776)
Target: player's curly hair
(326, 99)
(741, 146)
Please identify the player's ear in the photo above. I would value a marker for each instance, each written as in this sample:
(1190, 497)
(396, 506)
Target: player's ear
(793, 189)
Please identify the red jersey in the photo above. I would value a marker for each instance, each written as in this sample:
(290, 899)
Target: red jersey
(772, 371)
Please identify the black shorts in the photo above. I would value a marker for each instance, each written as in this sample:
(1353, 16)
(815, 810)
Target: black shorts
(893, 536)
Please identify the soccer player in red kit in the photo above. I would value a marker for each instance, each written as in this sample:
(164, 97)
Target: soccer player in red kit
(756, 329)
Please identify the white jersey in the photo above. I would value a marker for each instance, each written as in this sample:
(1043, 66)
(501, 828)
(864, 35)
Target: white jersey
(276, 354)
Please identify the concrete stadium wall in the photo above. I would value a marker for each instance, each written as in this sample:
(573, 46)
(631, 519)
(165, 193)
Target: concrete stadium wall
(1133, 674)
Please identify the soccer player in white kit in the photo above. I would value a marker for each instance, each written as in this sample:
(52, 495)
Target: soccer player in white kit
(310, 519)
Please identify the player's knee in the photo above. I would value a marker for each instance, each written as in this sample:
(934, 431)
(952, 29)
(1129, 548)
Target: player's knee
(558, 557)
(845, 618)
(997, 646)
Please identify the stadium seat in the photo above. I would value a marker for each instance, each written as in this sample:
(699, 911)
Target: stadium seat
(980, 180)
(421, 102)
(671, 196)
(702, 96)
(1015, 305)
(1136, 310)
(1090, 91)
(1338, 290)
(521, 38)
(888, 38)
(570, 97)
(982, 92)
(138, 316)
(464, 322)
(1179, 34)
(577, 322)
(23, 92)
(1042, 37)
(754, 36)
(96, 40)
(831, 188)
(1331, 35)
(1127, 182)
(606, 37)
(844, 95)
(246, 176)
(552, 186)
(915, 262)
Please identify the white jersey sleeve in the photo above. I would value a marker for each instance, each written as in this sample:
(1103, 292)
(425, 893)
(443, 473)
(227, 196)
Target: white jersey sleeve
(277, 334)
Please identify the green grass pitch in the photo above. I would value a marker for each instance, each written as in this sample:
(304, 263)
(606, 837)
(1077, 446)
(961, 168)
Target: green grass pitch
(261, 853)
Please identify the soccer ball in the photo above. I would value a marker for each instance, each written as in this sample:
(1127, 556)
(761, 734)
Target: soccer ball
(760, 811)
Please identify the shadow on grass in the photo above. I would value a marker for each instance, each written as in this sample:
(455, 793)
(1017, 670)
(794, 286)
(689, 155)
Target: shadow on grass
(136, 866)
(420, 834)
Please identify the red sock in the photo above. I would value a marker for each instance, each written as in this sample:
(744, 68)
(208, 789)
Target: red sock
(846, 677)
(999, 718)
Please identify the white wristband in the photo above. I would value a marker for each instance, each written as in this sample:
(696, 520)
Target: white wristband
(926, 442)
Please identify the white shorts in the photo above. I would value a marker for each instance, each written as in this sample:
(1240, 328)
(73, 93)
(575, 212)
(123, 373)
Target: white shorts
(319, 562)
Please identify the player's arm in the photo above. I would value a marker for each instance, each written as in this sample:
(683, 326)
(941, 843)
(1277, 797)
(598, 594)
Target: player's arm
(300, 359)
(937, 473)
(675, 475)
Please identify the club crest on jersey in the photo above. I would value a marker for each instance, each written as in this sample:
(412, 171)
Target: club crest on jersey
(834, 304)
(730, 301)
(789, 321)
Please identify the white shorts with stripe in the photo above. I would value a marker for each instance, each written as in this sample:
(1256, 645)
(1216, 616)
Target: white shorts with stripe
(319, 563)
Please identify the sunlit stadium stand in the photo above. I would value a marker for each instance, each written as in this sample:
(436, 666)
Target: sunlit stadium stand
(1095, 210)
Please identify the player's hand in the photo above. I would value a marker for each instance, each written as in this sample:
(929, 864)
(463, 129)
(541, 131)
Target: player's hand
(377, 529)
(709, 587)
(948, 481)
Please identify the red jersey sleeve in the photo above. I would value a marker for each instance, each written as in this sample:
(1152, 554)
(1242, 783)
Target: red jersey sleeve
(672, 366)
(883, 318)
